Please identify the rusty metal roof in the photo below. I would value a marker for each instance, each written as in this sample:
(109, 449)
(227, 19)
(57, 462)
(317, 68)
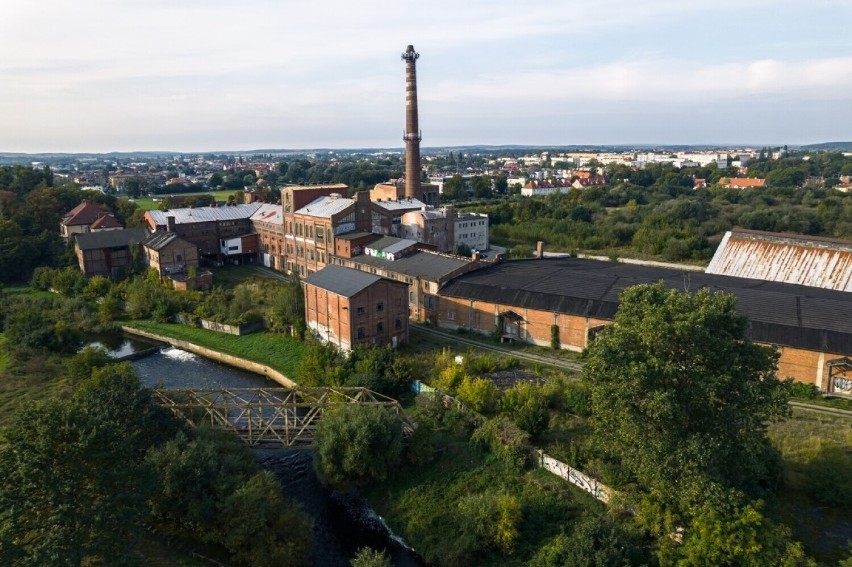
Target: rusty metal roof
(787, 258)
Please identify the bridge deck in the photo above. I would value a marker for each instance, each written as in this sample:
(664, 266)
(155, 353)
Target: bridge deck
(270, 416)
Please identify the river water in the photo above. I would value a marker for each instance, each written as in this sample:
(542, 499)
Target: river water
(343, 523)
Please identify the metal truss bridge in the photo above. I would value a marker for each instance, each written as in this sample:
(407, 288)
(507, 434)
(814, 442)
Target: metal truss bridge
(266, 417)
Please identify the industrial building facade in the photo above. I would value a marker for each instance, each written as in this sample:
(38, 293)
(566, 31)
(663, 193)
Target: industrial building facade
(524, 299)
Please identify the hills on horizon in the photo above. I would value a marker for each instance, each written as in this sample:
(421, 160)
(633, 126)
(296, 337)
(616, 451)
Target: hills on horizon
(12, 157)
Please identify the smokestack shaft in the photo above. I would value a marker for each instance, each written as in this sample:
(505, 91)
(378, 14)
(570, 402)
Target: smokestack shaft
(412, 130)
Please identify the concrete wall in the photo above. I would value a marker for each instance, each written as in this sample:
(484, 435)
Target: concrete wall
(231, 360)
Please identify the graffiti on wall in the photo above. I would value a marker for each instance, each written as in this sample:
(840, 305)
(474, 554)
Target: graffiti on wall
(575, 477)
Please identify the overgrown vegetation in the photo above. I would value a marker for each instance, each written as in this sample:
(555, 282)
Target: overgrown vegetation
(655, 212)
(81, 477)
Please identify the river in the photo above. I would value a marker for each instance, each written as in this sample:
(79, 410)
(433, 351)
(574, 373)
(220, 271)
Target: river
(343, 523)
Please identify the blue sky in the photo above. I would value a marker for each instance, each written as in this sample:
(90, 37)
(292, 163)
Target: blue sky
(204, 75)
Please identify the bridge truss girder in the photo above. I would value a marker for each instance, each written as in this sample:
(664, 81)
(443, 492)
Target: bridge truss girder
(270, 416)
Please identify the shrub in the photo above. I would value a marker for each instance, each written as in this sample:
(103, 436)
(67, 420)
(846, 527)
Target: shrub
(829, 477)
(356, 445)
(527, 405)
(450, 378)
(489, 520)
(479, 393)
(97, 286)
(43, 278)
(69, 281)
(368, 557)
(482, 364)
(554, 337)
(505, 440)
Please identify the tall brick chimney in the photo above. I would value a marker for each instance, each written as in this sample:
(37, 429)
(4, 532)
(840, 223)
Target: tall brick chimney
(412, 130)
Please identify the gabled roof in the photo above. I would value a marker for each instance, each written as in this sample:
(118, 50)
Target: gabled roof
(110, 238)
(326, 207)
(269, 213)
(790, 258)
(391, 244)
(105, 221)
(345, 282)
(83, 214)
(742, 182)
(204, 214)
(159, 240)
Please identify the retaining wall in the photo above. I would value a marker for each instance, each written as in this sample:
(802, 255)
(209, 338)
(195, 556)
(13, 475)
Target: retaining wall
(231, 360)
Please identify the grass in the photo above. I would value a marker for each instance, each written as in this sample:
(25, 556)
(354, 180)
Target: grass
(278, 351)
(232, 276)
(824, 530)
(149, 204)
(420, 502)
(800, 439)
(4, 356)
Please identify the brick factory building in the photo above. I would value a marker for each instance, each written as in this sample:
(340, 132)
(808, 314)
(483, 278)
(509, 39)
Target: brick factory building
(347, 308)
(524, 299)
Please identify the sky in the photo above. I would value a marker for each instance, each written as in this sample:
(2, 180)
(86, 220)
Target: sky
(215, 75)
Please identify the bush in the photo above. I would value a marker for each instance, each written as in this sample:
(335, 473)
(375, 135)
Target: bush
(69, 281)
(527, 405)
(489, 521)
(450, 378)
(367, 557)
(829, 477)
(803, 391)
(97, 286)
(356, 445)
(480, 394)
(505, 440)
(43, 278)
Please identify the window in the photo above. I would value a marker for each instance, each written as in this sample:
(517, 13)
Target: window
(380, 307)
(451, 315)
(380, 327)
(360, 332)
(179, 258)
(360, 311)
(398, 323)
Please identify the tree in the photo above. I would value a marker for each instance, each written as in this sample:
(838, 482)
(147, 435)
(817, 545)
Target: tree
(73, 484)
(368, 557)
(260, 529)
(526, 404)
(454, 189)
(356, 445)
(682, 397)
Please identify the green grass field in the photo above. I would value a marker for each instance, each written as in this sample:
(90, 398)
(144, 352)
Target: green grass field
(149, 204)
(278, 351)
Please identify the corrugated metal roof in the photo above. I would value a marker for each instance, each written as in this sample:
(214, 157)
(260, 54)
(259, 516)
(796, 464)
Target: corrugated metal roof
(269, 213)
(786, 314)
(205, 214)
(391, 244)
(345, 282)
(158, 240)
(325, 207)
(401, 204)
(787, 258)
(110, 238)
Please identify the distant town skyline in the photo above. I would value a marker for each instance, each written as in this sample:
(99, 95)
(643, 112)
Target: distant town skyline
(192, 75)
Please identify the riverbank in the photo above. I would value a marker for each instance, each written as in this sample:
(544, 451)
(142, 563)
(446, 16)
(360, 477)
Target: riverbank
(209, 345)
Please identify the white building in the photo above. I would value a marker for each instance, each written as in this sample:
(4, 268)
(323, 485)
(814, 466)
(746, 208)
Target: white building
(471, 230)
